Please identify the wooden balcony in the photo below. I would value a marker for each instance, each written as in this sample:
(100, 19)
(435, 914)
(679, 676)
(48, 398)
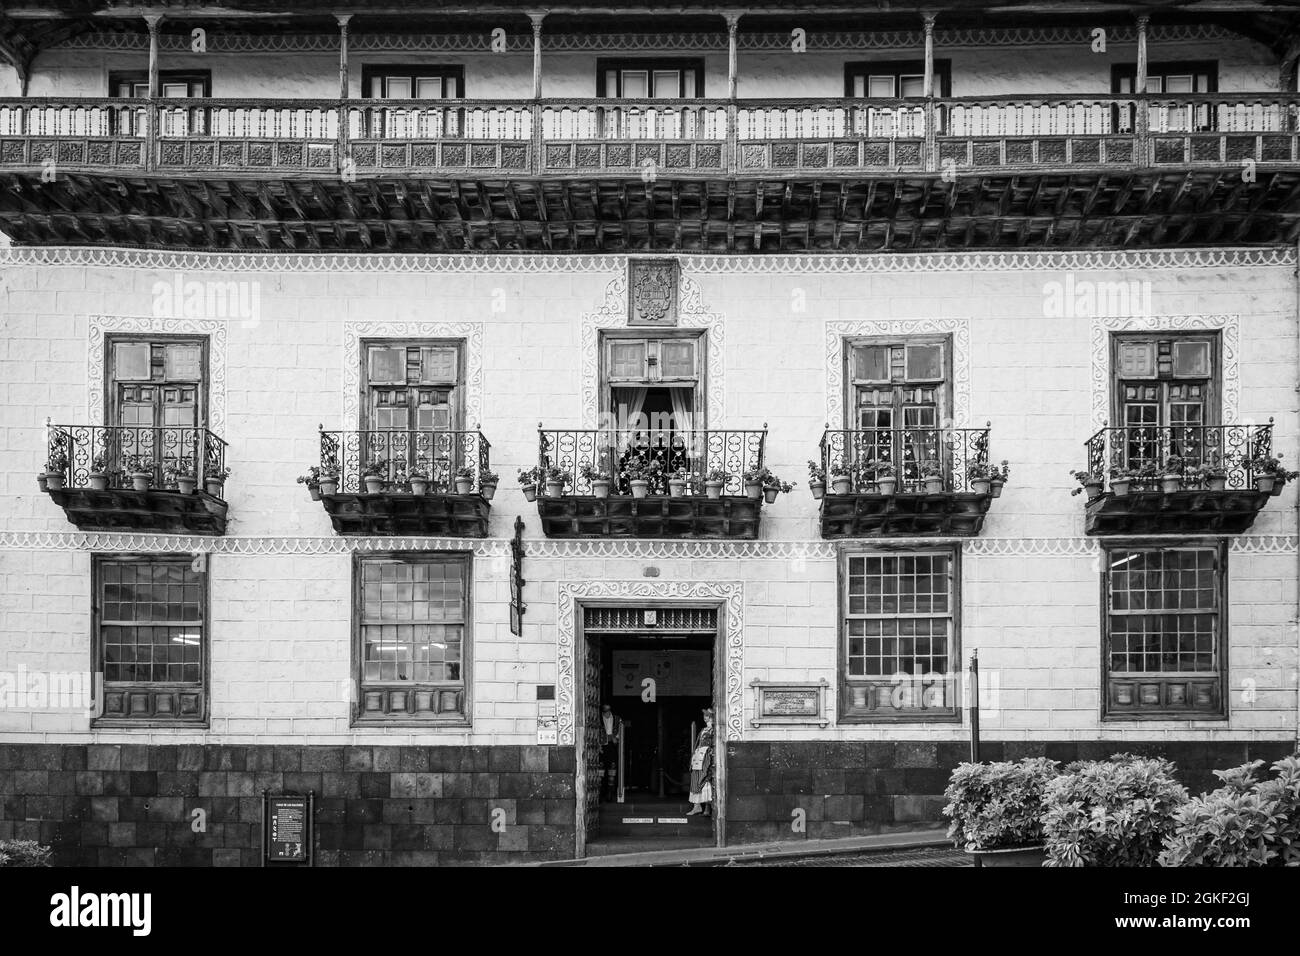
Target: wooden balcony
(675, 502)
(1199, 502)
(138, 478)
(378, 488)
(707, 174)
(876, 485)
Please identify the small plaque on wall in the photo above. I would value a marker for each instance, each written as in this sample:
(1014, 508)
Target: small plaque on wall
(652, 292)
(288, 829)
(789, 703)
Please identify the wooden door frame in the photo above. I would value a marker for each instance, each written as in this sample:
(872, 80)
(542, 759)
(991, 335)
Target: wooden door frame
(111, 409)
(1213, 405)
(701, 337)
(719, 705)
(363, 384)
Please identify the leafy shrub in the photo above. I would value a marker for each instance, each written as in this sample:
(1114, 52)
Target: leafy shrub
(23, 853)
(1114, 812)
(998, 805)
(1246, 822)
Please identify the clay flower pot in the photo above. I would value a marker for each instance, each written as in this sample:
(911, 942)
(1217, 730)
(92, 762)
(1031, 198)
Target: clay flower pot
(753, 489)
(185, 484)
(554, 489)
(639, 488)
(600, 488)
(530, 492)
(1171, 483)
(997, 488)
(98, 481)
(465, 486)
(933, 485)
(841, 484)
(489, 489)
(329, 486)
(818, 488)
(419, 486)
(54, 480)
(1119, 486)
(980, 485)
(1264, 484)
(140, 480)
(374, 484)
(215, 487)
(713, 488)
(887, 485)
(770, 493)
(677, 487)
(1217, 482)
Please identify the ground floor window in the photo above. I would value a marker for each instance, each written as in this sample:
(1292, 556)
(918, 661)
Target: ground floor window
(1164, 642)
(150, 622)
(412, 637)
(899, 635)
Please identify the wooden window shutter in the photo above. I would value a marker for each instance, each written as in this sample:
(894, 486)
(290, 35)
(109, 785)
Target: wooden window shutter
(182, 363)
(924, 363)
(1192, 359)
(438, 365)
(870, 363)
(627, 359)
(1137, 359)
(131, 362)
(387, 366)
(677, 358)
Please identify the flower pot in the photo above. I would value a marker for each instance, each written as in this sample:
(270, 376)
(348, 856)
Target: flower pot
(329, 486)
(770, 493)
(713, 488)
(753, 489)
(841, 485)
(489, 489)
(1216, 482)
(140, 480)
(530, 492)
(600, 487)
(98, 481)
(887, 485)
(314, 491)
(1011, 856)
(1119, 486)
(43, 482)
(980, 485)
(554, 489)
(419, 486)
(933, 485)
(465, 486)
(214, 486)
(1277, 487)
(1171, 483)
(818, 488)
(639, 488)
(374, 484)
(1264, 484)
(1092, 489)
(185, 485)
(677, 487)
(54, 480)
(997, 487)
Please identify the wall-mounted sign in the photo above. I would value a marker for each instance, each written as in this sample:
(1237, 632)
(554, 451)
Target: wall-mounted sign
(287, 828)
(789, 703)
(652, 292)
(517, 605)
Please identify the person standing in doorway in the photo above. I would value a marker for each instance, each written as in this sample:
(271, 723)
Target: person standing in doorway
(701, 795)
(609, 730)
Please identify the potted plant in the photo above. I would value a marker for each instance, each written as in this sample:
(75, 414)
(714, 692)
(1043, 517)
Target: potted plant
(886, 477)
(181, 475)
(980, 476)
(555, 480)
(996, 810)
(677, 482)
(487, 483)
(312, 481)
(214, 482)
(775, 486)
(816, 479)
(140, 470)
(754, 479)
(419, 478)
(841, 481)
(998, 476)
(599, 480)
(865, 479)
(1171, 474)
(529, 479)
(329, 479)
(932, 475)
(1269, 475)
(715, 480)
(464, 480)
(1215, 475)
(56, 471)
(374, 475)
(1089, 481)
(98, 476)
(1121, 480)
(639, 472)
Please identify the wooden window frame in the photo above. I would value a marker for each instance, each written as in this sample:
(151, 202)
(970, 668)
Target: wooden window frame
(851, 383)
(200, 721)
(458, 388)
(1122, 71)
(897, 69)
(650, 65)
(412, 72)
(357, 716)
(1220, 547)
(1214, 402)
(110, 374)
(164, 76)
(951, 714)
(699, 336)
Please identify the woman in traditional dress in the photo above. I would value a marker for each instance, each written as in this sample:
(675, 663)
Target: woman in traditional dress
(701, 795)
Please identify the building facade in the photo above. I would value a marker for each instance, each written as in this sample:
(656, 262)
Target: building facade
(905, 250)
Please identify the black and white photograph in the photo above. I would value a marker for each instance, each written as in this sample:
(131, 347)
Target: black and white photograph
(850, 440)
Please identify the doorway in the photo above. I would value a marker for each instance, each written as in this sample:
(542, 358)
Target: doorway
(657, 669)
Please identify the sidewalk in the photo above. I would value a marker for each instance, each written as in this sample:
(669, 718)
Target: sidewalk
(783, 850)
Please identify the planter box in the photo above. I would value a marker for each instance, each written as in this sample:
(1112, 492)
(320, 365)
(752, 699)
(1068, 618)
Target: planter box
(1011, 856)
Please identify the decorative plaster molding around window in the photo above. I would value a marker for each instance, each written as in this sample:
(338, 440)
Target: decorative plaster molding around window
(1229, 325)
(354, 332)
(730, 592)
(100, 325)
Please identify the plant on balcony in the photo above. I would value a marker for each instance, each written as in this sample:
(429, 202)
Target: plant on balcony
(418, 477)
(841, 480)
(1171, 474)
(1089, 481)
(140, 470)
(374, 475)
(1269, 474)
(487, 483)
(998, 476)
(816, 479)
(312, 481)
(529, 480)
(555, 479)
(886, 476)
(678, 481)
(715, 479)
(639, 471)
(98, 476)
(214, 482)
(980, 475)
(1211, 477)
(599, 480)
(754, 479)
(56, 467)
(932, 476)
(1122, 478)
(180, 475)
(465, 479)
(329, 478)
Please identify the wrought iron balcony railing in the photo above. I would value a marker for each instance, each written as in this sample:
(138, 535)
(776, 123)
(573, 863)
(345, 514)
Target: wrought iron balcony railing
(911, 453)
(1143, 453)
(661, 453)
(394, 454)
(109, 454)
(529, 137)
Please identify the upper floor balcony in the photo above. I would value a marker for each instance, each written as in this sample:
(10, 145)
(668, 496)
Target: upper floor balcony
(138, 478)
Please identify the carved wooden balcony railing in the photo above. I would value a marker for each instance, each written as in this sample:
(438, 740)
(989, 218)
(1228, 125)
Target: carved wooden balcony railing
(378, 489)
(857, 503)
(688, 138)
(147, 478)
(1216, 467)
(667, 510)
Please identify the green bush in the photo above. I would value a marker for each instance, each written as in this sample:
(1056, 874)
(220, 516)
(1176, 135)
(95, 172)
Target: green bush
(1246, 822)
(994, 806)
(23, 853)
(1115, 812)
